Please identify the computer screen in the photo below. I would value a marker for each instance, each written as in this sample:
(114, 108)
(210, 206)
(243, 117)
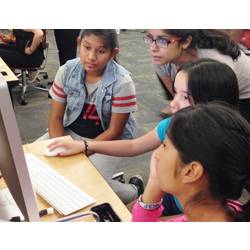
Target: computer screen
(12, 162)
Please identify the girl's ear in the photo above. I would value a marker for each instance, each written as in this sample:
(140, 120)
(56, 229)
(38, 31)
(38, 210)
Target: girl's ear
(185, 44)
(192, 172)
(78, 40)
(116, 51)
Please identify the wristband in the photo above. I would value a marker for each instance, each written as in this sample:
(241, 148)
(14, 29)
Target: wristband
(149, 206)
(86, 147)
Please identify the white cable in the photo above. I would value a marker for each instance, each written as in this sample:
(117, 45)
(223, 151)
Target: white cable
(79, 215)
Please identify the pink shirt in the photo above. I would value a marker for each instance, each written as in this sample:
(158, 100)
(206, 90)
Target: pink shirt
(140, 214)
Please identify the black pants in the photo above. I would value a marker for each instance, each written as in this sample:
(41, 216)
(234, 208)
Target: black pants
(16, 59)
(66, 42)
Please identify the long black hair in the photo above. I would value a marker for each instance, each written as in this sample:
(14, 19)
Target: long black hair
(210, 80)
(208, 39)
(219, 138)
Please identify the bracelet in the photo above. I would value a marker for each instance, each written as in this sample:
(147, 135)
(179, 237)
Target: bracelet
(149, 206)
(86, 147)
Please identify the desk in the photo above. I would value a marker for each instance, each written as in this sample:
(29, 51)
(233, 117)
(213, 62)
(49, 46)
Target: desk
(79, 170)
(9, 76)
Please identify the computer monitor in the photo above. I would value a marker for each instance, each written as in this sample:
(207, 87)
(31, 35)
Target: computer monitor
(12, 161)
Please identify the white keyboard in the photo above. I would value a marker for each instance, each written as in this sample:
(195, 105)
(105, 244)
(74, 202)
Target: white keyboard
(60, 193)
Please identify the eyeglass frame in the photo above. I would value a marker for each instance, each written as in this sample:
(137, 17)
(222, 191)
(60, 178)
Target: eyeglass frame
(169, 41)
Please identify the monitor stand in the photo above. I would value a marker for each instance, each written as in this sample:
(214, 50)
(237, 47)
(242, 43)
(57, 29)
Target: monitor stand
(8, 207)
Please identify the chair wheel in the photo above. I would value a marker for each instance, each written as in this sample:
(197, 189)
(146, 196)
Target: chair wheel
(41, 86)
(23, 102)
(46, 77)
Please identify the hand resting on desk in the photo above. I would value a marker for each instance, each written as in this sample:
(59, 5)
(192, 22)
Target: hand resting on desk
(70, 146)
(53, 152)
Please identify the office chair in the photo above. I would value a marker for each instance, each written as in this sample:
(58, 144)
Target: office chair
(35, 83)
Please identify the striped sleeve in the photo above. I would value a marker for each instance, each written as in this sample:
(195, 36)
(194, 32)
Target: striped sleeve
(56, 91)
(124, 97)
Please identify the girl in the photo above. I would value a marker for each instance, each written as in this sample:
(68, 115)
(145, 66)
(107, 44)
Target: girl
(93, 97)
(198, 81)
(172, 48)
(205, 168)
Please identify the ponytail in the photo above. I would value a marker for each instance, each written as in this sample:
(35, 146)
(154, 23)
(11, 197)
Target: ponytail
(218, 40)
(208, 39)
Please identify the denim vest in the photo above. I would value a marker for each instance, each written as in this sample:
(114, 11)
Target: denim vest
(75, 90)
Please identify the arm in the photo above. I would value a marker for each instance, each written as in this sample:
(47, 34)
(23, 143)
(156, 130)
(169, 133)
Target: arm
(121, 148)
(58, 105)
(115, 129)
(37, 39)
(56, 128)
(152, 194)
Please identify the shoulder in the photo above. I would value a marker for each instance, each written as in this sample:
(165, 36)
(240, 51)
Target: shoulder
(168, 69)
(165, 123)
(73, 66)
(216, 55)
(73, 63)
(121, 73)
(162, 128)
(65, 72)
(243, 60)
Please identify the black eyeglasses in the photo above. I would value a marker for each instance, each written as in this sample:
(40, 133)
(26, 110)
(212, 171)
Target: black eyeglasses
(160, 42)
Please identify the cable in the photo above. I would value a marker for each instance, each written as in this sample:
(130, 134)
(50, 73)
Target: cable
(79, 215)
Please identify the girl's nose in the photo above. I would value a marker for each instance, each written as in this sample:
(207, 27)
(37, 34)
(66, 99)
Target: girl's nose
(153, 46)
(174, 106)
(92, 55)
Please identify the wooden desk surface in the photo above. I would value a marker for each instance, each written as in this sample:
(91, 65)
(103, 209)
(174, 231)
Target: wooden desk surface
(79, 170)
(8, 75)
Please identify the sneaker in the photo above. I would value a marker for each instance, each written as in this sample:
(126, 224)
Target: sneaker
(138, 182)
(33, 76)
(119, 177)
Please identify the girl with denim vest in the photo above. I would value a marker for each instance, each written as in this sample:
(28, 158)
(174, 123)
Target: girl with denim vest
(94, 98)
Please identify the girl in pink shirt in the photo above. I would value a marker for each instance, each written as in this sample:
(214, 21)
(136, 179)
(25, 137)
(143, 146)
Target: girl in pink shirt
(206, 169)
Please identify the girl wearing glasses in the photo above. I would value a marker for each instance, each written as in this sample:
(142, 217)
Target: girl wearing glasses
(203, 80)
(190, 166)
(172, 48)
